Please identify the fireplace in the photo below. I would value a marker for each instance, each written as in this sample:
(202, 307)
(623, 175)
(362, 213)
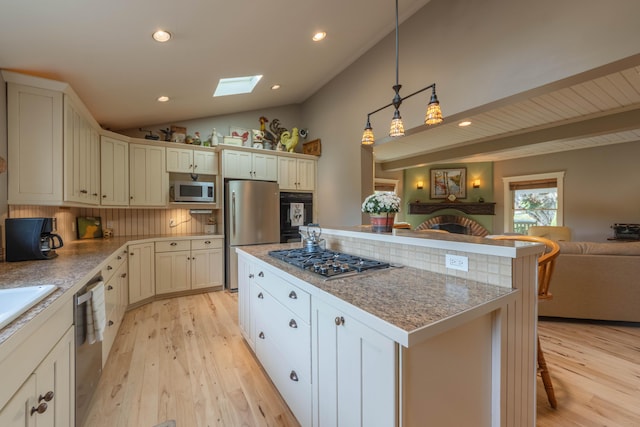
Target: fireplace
(454, 224)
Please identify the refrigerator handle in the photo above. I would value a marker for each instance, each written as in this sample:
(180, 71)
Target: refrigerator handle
(233, 213)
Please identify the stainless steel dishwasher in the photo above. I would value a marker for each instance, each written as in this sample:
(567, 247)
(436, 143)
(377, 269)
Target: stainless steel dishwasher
(88, 356)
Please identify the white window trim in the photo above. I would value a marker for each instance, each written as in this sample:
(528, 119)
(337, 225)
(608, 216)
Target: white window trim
(394, 182)
(508, 195)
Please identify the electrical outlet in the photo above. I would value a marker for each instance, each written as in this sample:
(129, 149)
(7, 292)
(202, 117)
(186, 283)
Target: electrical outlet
(172, 222)
(73, 226)
(456, 262)
(109, 224)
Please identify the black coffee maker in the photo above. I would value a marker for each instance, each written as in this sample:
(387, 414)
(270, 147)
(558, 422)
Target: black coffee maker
(30, 239)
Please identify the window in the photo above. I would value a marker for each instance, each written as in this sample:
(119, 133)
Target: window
(533, 200)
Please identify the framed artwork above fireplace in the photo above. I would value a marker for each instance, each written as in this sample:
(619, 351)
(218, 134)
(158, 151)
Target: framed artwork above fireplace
(449, 182)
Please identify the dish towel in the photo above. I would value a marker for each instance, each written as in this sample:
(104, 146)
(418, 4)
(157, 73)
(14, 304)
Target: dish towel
(296, 214)
(96, 315)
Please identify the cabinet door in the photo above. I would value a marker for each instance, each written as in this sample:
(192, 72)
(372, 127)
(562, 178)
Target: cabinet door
(287, 174)
(172, 272)
(205, 162)
(94, 161)
(114, 172)
(34, 130)
(237, 164)
(306, 174)
(244, 299)
(147, 175)
(141, 272)
(265, 167)
(206, 268)
(16, 413)
(55, 385)
(355, 371)
(179, 160)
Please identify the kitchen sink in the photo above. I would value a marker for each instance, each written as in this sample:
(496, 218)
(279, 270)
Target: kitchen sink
(15, 301)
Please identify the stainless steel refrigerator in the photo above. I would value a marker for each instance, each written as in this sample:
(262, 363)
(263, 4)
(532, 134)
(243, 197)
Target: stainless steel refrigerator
(252, 217)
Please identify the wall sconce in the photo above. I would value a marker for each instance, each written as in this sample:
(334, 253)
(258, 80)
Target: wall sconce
(420, 185)
(476, 183)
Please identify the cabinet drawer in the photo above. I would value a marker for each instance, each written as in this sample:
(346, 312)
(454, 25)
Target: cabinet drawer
(294, 387)
(289, 295)
(286, 330)
(206, 244)
(113, 263)
(173, 245)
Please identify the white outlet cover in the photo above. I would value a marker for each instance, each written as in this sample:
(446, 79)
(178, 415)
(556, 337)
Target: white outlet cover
(456, 262)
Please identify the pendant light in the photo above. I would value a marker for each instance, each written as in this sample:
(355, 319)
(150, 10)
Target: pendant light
(433, 115)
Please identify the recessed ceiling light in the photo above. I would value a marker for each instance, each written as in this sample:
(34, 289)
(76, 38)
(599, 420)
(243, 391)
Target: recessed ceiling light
(320, 35)
(236, 85)
(161, 36)
(163, 98)
(275, 87)
(465, 123)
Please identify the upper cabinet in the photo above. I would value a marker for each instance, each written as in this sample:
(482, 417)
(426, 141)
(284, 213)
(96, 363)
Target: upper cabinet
(296, 174)
(81, 156)
(249, 165)
(34, 125)
(114, 172)
(148, 179)
(185, 160)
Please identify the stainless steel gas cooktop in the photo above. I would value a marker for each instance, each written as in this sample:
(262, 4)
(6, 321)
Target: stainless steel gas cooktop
(326, 263)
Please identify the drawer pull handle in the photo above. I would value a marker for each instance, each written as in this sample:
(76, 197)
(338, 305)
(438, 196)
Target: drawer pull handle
(251, 276)
(123, 275)
(119, 257)
(293, 376)
(109, 288)
(293, 324)
(207, 242)
(339, 320)
(110, 322)
(261, 335)
(47, 397)
(261, 274)
(260, 295)
(293, 295)
(109, 268)
(173, 244)
(41, 409)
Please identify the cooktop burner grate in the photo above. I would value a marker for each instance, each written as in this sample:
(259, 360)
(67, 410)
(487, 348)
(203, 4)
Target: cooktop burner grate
(327, 263)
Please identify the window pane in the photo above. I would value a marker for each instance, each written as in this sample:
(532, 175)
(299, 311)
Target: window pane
(534, 207)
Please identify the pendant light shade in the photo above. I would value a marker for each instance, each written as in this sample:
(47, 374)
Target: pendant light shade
(432, 117)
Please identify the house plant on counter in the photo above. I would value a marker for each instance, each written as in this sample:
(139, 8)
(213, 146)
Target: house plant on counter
(382, 208)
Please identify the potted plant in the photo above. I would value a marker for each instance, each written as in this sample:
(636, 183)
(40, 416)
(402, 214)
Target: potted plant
(382, 208)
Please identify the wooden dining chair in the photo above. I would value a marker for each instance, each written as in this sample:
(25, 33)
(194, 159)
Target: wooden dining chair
(546, 264)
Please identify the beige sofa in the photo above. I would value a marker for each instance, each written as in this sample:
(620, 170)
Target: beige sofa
(598, 281)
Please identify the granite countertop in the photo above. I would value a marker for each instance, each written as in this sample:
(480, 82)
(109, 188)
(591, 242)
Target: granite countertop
(77, 262)
(409, 300)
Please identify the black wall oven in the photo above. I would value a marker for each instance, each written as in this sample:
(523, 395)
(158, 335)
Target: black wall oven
(295, 209)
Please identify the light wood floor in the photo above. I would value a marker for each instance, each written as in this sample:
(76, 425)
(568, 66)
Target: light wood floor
(184, 359)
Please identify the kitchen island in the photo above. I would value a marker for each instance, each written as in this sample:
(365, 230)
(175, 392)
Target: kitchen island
(407, 346)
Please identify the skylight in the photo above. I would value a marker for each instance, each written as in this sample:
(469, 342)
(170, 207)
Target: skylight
(236, 85)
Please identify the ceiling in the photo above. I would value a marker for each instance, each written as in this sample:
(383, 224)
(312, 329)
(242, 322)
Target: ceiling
(104, 50)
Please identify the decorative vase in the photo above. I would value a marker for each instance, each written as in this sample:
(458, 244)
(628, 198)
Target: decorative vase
(382, 222)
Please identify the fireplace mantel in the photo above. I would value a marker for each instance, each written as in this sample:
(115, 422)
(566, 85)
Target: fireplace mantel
(471, 208)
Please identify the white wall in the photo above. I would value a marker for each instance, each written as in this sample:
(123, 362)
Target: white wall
(477, 51)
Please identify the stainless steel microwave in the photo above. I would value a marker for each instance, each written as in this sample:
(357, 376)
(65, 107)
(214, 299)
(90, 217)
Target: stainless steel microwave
(192, 191)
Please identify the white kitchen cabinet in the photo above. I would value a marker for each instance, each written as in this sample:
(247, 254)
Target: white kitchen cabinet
(245, 280)
(34, 130)
(46, 398)
(81, 156)
(173, 272)
(207, 263)
(296, 174)
(115, 275)
(183, 264)
(148, 179)
(185, 160)
(355, 376)
(249, 165)
(141, 272)
(114, 172)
